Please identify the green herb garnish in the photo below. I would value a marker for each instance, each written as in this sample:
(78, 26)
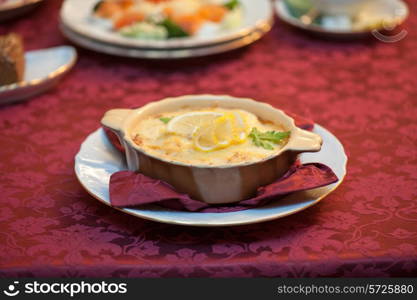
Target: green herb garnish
(173, 29)
(165, 120)
(298, 8)
(232, 4)
(97, 6)
(267, 139)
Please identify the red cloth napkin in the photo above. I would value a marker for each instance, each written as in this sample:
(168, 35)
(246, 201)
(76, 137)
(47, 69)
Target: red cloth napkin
(129, 189)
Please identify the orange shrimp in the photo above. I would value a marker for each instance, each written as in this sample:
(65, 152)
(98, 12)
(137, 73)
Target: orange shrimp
(108, 9)
(125, 4)
(168, 11)
(212, 12)
(158, 1)
(128, 18)
(189, 23)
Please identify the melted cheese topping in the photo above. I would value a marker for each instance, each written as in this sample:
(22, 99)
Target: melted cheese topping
(152, 136)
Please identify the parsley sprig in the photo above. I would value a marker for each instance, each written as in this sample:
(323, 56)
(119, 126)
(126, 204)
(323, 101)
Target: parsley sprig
(268, 139)
(165, 120)
(232, 4)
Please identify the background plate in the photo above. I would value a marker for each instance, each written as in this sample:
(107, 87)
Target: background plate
(43, 69)
(13, 9)
(76, 15)
(97, 160)
(163, 53)
(283, 13)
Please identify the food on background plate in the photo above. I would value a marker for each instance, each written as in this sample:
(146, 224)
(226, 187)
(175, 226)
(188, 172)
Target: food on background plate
(12, 59)
(365, 16)
(299, 7)
(209, 136)
(165, 19)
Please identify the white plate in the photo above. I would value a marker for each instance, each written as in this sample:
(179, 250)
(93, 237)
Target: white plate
(97, 160)
(396, 8)
(14, 8)
(161, 53)
(76, 15)
(43, 68)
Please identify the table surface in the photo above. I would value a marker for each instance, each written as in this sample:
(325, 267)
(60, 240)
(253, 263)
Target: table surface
(365, 92)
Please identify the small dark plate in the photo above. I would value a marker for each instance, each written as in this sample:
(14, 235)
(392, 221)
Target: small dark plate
(10, 10)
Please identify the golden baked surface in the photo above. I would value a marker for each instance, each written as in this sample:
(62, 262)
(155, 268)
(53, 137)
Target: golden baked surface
(208, 136)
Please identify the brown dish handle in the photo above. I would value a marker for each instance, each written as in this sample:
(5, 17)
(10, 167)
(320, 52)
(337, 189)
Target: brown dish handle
(113, 120)
(305, 141)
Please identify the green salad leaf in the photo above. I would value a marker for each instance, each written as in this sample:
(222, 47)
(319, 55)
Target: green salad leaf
(268, 139)
(232, 4)
(298, 8)
(173, 29)
(97, 5)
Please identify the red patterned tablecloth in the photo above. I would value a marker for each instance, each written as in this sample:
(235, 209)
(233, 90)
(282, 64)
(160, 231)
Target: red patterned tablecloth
(365, 92)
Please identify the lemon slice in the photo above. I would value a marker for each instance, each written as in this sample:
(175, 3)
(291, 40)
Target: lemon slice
(224, 130)
(214, 135)
(188, 123)
(232, 128)
(204, 138)
(211, 130)
(241, 128)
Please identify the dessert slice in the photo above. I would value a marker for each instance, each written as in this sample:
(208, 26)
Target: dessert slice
(12, 60)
